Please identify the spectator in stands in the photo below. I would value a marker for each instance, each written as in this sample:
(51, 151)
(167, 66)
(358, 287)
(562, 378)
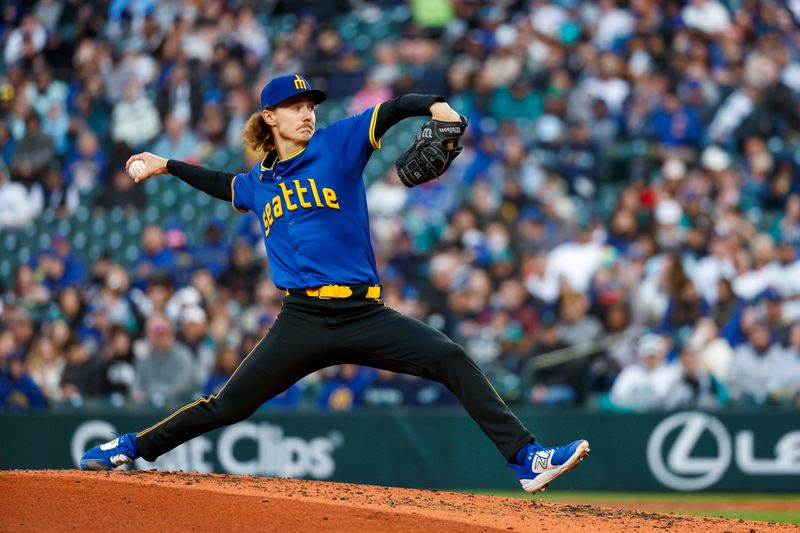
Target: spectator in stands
(177, 140)
(86, 165)
(787, 226)
(51, 193)
(242, 273)
(649, 383)
(25, 40)
(46, 366)
(621, 351)
(555, 384)
(74, 270)
(213, 254)
(714, 352)
(83, 374)
(134, 120)
(791, 386)
(180, 96)
(385, 390)
(576, 326)
(17, 207)
(193, 334)
(121, 192)
(33, 153)
(164, 372)
(698, 389)
(45, 92)
(56, 123)
(344, 389)
(675, 125)
(22, 328)
(18, 391)
(684, 309)
(117, 355)
(758, 367)
(156, 260)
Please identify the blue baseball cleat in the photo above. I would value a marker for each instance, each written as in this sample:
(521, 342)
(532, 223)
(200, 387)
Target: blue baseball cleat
(542, 465)
(118, 452)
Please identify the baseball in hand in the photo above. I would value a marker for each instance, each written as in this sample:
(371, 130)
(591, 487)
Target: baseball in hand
(136, 168)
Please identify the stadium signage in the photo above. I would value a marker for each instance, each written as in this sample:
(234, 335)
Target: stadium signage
(271, 452)
(685, 472)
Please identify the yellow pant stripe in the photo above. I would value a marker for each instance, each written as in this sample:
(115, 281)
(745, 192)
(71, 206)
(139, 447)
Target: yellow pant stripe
(205, 399)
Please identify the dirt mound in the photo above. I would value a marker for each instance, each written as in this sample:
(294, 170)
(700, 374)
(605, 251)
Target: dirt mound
(70, 500)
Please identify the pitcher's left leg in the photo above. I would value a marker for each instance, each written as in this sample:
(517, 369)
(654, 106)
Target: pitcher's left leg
(388, 340)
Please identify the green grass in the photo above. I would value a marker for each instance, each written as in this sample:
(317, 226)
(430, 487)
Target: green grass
(788, 516)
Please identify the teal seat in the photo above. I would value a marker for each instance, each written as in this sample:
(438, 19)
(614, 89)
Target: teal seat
(64, 226)
(153, 186)
(79, 241)
(201, 199)
(168, 199)
(99, 227)
(24, 254)
(95, 248)
(115, 240)
(221, 210)
(132, 252)
(6, 270)
(151, 214)
(133, 226)
(10, 243)
(116, 215)
(188, 213)
(82, 214)
(48, 217)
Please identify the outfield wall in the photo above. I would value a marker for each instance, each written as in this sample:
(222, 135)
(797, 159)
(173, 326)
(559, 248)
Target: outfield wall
(444, 448)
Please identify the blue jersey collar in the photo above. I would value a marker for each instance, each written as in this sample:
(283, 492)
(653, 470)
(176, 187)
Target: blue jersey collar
(271, 159)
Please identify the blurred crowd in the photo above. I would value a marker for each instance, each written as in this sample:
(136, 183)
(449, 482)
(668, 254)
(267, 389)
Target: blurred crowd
(621, 230)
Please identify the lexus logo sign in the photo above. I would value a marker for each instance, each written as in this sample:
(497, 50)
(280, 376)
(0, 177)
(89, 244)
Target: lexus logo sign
(682, 471)
(678, 467)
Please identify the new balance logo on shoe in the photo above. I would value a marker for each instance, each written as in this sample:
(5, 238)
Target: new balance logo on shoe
(541, 460)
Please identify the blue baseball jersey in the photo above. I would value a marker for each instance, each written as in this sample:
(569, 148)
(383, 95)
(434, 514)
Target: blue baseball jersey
(313, 208)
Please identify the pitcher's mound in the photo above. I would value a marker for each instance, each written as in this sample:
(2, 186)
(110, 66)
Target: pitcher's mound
(68, 500)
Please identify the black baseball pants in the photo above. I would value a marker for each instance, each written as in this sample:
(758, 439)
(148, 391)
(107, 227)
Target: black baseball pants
(311, 334)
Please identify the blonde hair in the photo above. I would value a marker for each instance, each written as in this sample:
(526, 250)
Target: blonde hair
(257, 134)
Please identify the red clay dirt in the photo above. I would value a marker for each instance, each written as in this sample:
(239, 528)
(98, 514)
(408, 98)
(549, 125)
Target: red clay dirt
(70, 500)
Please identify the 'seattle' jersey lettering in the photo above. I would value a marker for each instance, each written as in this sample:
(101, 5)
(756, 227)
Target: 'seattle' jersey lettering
(313, 208)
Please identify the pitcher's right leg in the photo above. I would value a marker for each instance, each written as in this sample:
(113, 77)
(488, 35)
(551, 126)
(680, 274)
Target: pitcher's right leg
(294, 348)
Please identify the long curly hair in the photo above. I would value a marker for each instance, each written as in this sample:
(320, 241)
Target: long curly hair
(257, 135)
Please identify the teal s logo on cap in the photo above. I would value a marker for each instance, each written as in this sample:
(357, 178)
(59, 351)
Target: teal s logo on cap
(284, 87)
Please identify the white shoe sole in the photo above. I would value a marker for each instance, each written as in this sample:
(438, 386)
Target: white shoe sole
(540, 482)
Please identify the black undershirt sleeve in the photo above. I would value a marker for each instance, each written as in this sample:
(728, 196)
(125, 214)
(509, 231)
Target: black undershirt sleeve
(408, 105)
(217, 183)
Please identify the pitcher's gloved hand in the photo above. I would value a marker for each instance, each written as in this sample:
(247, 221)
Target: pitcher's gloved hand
(430, 155)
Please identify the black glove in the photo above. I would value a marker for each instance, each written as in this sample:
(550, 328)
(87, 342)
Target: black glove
(430, 155)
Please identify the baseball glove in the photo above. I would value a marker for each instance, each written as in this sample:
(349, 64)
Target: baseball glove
(430, 155)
